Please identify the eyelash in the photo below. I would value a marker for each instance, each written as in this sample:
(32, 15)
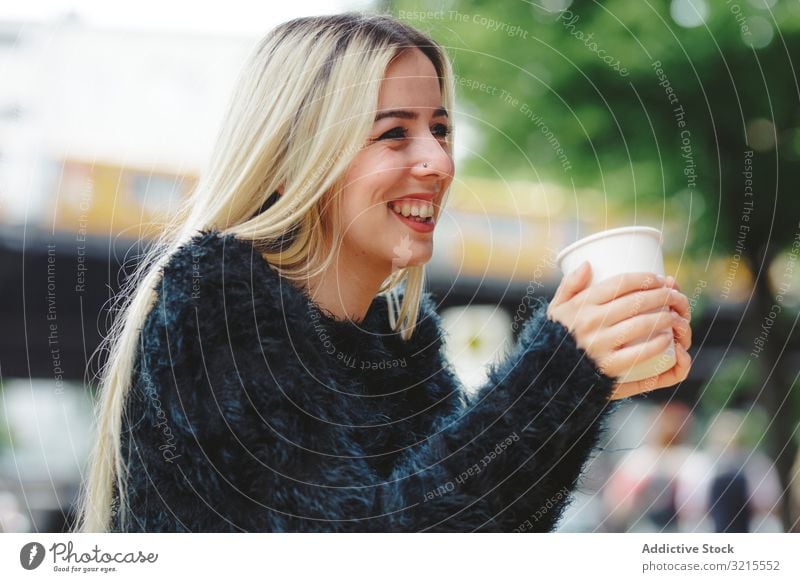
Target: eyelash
(444, 132)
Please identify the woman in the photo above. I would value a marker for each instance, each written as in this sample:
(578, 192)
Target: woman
(278, 366)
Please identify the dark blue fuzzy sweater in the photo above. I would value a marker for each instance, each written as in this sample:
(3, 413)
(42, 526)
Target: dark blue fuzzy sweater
(253, 410)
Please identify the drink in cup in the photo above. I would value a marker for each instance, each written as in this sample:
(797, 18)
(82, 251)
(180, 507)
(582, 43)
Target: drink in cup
(622, 250)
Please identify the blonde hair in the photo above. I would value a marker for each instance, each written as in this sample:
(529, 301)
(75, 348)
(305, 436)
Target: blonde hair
(309, 88)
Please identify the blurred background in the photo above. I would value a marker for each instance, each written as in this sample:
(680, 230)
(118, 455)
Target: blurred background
(571, 117)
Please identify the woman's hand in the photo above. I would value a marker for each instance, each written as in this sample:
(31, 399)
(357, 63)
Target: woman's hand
(616, 324)
(678, 372)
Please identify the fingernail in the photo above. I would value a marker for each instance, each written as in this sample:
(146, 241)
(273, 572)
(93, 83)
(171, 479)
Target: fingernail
(661, 279)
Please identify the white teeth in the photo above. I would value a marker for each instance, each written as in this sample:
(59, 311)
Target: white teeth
(419, 209)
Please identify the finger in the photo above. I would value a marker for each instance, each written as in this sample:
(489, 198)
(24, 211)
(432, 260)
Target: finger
(623, 359)
(680, 303)
(572, 284)
(682, 331)
(639, 328)
(628, 389)
(620, 285)
(683, 363)
(678, 373)
(638, 302)
(672, 283)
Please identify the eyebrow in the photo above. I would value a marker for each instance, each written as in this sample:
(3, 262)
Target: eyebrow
(406, 114)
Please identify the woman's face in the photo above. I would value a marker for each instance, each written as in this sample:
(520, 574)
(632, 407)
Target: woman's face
(406, 166)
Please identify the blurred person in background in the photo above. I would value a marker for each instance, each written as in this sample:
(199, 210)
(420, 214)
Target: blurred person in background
(744, 492)
(661, 485)
(794, 495)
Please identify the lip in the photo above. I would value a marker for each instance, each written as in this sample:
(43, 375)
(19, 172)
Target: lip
(423, 196)
(424, 227)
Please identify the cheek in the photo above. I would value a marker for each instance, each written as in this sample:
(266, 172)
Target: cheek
(361, 208)
(368, 192)
(372, 179)
(363, 219)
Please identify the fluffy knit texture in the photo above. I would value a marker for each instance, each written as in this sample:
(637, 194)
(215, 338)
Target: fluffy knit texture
(253, 409)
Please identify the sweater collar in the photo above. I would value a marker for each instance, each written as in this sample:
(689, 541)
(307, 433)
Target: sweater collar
(354, 336)
(363, 347)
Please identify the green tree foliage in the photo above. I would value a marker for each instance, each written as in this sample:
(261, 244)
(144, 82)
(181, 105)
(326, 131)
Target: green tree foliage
(618, 96)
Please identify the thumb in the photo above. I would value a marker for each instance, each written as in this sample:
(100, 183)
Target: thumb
(573, 283)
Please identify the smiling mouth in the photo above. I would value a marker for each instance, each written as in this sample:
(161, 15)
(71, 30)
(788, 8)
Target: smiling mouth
(417, 210)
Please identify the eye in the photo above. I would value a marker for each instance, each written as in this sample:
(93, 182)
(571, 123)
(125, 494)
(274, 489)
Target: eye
(394, 133)
(442, 130)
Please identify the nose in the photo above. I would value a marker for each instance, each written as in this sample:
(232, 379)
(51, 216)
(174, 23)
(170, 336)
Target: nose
(432, 158)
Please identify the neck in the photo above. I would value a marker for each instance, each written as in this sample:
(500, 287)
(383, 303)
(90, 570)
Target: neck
(347, 287)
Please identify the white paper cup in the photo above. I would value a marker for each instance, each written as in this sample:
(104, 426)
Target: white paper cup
(622, 250)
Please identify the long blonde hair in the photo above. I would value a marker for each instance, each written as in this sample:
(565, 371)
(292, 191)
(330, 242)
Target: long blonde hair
(310, 87)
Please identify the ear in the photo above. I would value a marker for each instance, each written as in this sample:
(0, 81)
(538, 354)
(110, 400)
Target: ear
(279, 190)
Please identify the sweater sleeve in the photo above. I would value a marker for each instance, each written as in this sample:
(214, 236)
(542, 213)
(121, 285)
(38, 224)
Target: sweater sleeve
(510, 459)
(223, 432)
